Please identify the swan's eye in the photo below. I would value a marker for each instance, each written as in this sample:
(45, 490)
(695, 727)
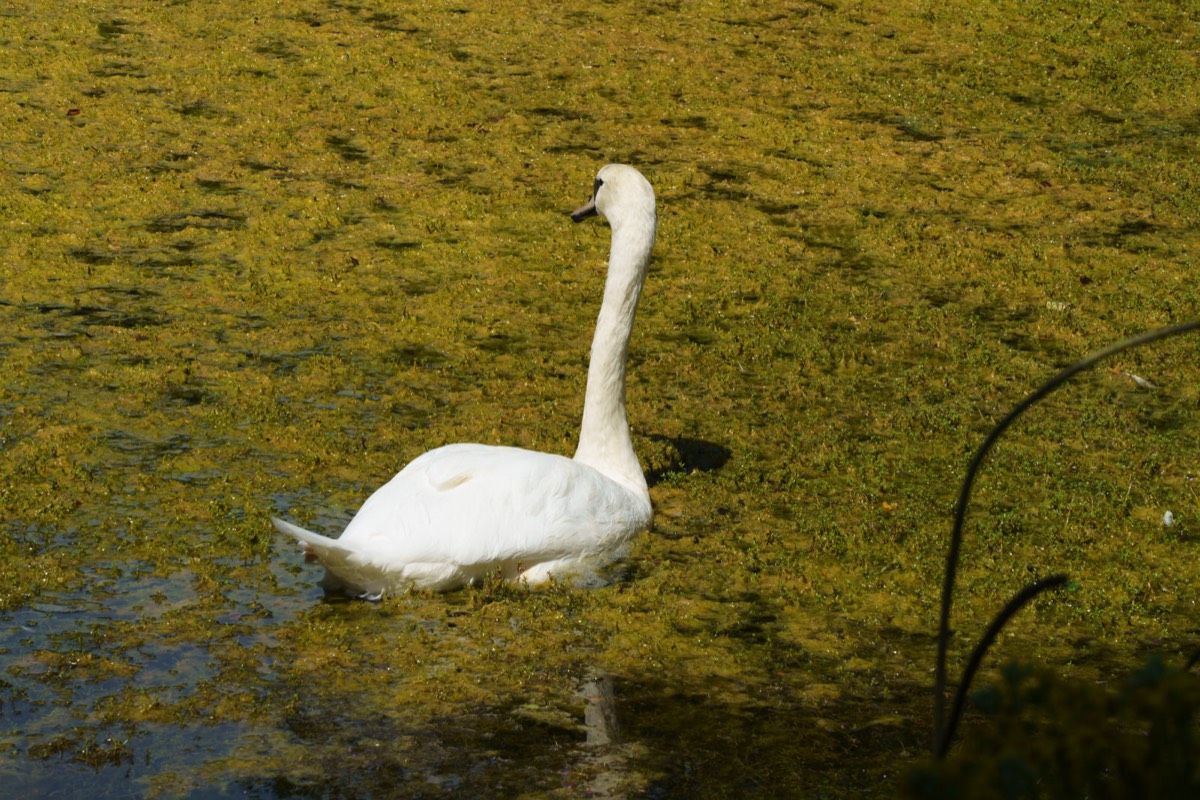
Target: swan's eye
(596, 188)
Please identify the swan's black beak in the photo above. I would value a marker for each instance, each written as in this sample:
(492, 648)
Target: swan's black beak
(589, 210)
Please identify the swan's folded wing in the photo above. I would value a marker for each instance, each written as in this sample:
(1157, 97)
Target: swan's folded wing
(478, 505)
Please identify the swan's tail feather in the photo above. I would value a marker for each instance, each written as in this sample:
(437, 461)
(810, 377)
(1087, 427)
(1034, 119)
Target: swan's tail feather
(345, 571)
(314, 543)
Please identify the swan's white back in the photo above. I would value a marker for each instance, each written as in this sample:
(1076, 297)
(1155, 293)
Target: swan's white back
(462, 511)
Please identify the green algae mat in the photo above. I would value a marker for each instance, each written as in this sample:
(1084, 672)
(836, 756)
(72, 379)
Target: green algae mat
(256, 256)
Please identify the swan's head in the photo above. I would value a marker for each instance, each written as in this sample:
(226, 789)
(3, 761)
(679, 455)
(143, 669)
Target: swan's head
(620, 192)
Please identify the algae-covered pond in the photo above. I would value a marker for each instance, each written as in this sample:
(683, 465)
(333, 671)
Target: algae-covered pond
(256, 256)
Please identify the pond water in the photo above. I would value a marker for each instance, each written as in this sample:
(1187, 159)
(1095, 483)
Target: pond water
(256, 257)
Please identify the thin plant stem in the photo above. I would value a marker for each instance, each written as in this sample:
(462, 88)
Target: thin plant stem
(1012, 607)
(941, 725)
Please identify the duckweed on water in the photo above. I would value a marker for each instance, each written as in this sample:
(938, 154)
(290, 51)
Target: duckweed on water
(256, 257)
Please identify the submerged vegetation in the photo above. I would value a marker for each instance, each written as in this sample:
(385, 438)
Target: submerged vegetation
(257, 256)
(1045, 736)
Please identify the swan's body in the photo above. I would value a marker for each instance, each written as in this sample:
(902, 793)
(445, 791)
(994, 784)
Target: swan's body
(461, 511)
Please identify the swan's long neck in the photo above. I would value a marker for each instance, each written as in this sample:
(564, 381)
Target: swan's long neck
(604, 441)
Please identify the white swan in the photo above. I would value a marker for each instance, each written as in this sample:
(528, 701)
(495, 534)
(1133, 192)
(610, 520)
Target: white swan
(461, 511)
